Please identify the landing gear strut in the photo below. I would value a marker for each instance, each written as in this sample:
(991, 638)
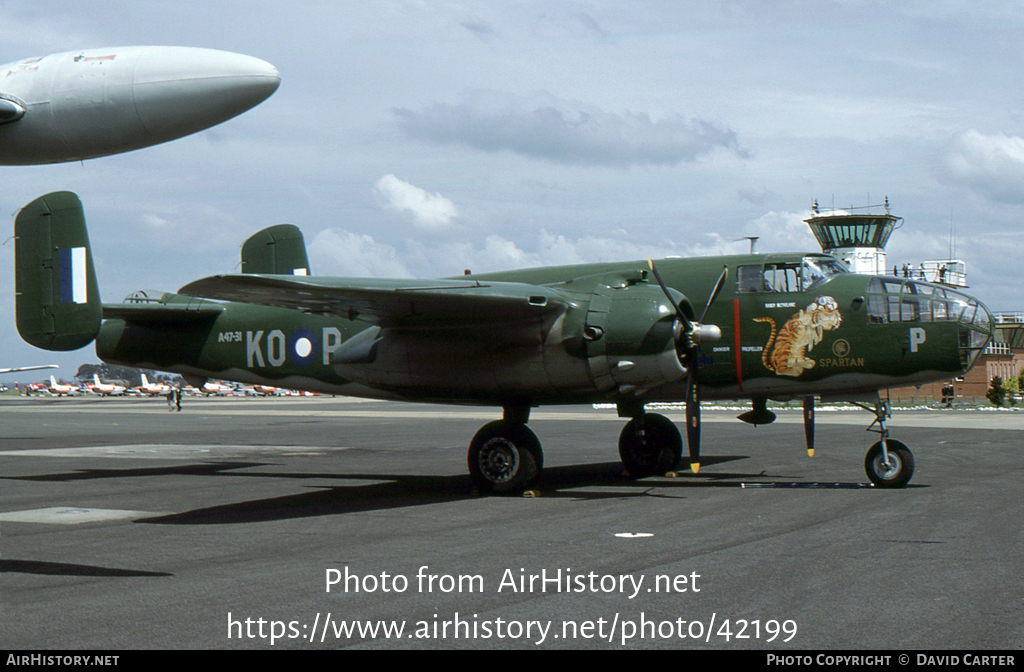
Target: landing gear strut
(650, 444)
(888, 463)
(505, 455)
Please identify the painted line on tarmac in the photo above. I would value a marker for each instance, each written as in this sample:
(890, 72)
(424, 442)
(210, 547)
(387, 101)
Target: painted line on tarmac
(918, 419)
(157, 451)
(71, 515)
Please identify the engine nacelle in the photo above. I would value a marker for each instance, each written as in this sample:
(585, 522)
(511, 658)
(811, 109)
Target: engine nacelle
(631, 338)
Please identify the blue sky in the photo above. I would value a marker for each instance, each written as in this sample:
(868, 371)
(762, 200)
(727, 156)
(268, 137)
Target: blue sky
(422, 138)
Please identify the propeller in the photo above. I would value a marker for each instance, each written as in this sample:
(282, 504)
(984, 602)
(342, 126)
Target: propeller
(809, 424)
(687, 343)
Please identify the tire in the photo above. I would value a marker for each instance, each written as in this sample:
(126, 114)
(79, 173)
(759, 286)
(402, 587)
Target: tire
(504, 457)
(650, 444)
(901, 465)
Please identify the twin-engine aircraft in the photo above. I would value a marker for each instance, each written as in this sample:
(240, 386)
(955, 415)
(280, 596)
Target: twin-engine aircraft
(758, 327)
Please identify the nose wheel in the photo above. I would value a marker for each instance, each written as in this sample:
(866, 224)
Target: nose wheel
(888, 463)
(891, 468)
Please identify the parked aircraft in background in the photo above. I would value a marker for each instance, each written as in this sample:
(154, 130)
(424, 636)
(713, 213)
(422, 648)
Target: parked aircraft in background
(96, 102)
(211, 387)
(149, 388)
(755, 326)
(61, 389)
(106, 389)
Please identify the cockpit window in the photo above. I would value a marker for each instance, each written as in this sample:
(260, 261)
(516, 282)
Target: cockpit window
(783, 277)
(817, 270)
(748, 279)
(787, 276)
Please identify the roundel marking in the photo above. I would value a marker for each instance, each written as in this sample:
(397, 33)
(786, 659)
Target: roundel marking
(302, 347)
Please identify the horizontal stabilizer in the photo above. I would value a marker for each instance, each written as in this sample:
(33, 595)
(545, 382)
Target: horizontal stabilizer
(161, 314)
(390, 303)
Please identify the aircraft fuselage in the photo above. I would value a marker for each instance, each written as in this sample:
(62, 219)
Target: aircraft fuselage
(782, 337)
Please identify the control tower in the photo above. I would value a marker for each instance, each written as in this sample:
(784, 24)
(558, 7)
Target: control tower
(857, 238)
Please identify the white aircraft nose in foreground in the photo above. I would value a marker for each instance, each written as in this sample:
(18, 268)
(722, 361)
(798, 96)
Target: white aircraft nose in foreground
(86, 104)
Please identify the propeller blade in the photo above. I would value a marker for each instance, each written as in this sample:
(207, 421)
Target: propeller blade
(679, 312)
(714, 293)
(809, 424)
(693, 418)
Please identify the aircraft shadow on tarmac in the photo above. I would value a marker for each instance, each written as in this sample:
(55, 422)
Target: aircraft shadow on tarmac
(587, 482)
(67, 569)
(204, 469)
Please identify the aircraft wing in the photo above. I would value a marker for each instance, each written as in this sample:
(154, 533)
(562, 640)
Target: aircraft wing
(405, 303)
(29, 368)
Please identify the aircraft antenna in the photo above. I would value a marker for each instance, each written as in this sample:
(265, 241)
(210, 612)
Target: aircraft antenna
(753, 242)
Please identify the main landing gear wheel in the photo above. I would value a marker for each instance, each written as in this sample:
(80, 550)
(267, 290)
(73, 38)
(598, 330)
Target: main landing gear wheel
(897, 472)
(504, 457)
(650, 444)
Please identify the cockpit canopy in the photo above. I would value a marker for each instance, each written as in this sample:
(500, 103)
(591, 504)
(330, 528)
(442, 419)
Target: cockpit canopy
(788, 275)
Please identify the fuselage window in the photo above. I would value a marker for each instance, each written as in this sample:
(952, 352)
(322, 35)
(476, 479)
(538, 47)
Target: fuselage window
(877, 309)
(889, 301)
(748, 279)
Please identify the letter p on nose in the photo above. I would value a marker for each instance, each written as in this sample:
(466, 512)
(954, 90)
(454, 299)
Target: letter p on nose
(917, 337)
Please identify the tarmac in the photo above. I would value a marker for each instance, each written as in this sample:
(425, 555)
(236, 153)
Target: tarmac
(323, 523)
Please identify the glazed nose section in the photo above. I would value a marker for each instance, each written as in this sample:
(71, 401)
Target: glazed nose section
(975, 330)
(181, 90)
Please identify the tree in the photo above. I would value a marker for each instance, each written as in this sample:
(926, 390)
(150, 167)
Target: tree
(996, 391)
(1012, 388)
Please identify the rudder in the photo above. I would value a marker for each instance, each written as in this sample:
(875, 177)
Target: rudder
(57, 298)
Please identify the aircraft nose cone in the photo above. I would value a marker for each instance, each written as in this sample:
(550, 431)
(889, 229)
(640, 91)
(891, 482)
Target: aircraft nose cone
(181, 90)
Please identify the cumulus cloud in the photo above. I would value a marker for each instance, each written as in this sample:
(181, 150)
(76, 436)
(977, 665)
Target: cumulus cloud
(782, 232)
(430, 213)
(992, 165)
(346, 254)
(566, 132)
(343, 253)
(340, 252)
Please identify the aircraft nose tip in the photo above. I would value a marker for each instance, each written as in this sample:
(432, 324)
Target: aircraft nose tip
(247, 74)
(181, 90)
